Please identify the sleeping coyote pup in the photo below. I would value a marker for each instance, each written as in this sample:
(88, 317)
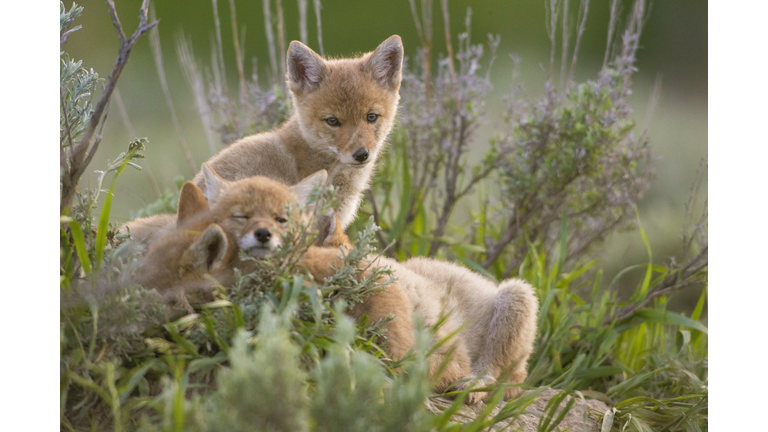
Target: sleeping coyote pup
(498, 320)
(344, 110)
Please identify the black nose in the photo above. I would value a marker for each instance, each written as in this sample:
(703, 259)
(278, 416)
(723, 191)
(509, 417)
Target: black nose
(360, 155)
(263, 235)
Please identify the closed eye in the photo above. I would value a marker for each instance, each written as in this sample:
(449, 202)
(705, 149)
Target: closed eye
(239, 216)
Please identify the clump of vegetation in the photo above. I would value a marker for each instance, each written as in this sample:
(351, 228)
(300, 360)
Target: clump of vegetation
(570, 155)
(275, 351)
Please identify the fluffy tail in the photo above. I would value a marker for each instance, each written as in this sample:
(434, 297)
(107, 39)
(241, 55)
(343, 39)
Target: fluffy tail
(511, 332)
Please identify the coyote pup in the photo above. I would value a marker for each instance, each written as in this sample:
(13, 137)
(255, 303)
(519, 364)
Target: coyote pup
(499, 320)
(344, 110)
(202, 252)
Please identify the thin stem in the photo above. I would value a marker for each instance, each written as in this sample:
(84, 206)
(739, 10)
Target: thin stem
(132, 135)
(318, 7)
(220, 50)
(376, 217)
(614, 8)
(552, 13)
(281, 42)
(238, 53)
(564, 49)
(154, 38)
(66, 120)
(448, 44)
(270, 38)
(195, 81)
(303, 22)
(583, 10)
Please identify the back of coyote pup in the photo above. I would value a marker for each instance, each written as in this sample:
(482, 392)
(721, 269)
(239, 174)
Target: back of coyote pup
(497, 321)
(344, 109)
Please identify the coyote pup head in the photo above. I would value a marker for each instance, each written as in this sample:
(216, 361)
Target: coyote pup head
(185, 257)
(346, 106)
(252, 211)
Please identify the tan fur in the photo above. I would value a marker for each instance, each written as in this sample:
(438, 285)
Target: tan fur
(346, 89)
(191, 259)
(145, 230)
(321, 261)
(193, 208)
(497, 323)
(258, 200)
(245, 207)
(500, 320)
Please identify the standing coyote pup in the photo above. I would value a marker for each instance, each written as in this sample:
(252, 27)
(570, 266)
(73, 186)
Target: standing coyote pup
(344, 110)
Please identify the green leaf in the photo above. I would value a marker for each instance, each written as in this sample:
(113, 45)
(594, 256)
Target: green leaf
(186, 345)
(82, 252)
(478, 268)
(608, 420)
(638, 400)
(101, 234)
(405, 201)
(631, 383)
(207, 363)
(563, 245)
(649, 270)
(136, 376)
(669, 318)
(699, 305)
(598, 371)
(422, 248)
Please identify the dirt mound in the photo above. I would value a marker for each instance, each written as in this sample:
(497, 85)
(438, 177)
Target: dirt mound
(581, 418)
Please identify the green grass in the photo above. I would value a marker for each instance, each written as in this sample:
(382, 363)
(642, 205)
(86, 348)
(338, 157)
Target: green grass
(261, 356)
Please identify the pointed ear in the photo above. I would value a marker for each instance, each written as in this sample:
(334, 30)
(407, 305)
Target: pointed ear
(306, 69)
(208, 252)
(302, 189)
(191, 203)
(214, 185)
(385, 64)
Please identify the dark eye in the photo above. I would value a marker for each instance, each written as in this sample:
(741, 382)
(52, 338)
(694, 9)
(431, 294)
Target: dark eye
(372, 117)
(333, 121)
(281, 219)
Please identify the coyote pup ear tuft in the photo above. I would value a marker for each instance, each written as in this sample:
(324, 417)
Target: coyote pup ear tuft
(302, 189)
(214, 185)
(386, 63)
(191, 203)
(306, 69)
(208, 252)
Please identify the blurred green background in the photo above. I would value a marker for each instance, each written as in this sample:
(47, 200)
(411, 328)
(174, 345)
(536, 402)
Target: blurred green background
(673, 46)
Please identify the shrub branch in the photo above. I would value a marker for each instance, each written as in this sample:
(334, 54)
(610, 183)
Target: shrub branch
(73, 164)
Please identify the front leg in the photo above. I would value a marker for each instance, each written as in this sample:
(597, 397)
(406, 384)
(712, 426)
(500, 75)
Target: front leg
(331, 234)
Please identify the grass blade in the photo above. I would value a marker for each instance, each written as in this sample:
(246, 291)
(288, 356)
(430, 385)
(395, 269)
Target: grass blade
(79, 239)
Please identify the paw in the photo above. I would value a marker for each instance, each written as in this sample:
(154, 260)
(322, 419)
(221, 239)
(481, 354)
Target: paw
(474, 397)
(512, 392)
(330, 233)
(326, 225)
